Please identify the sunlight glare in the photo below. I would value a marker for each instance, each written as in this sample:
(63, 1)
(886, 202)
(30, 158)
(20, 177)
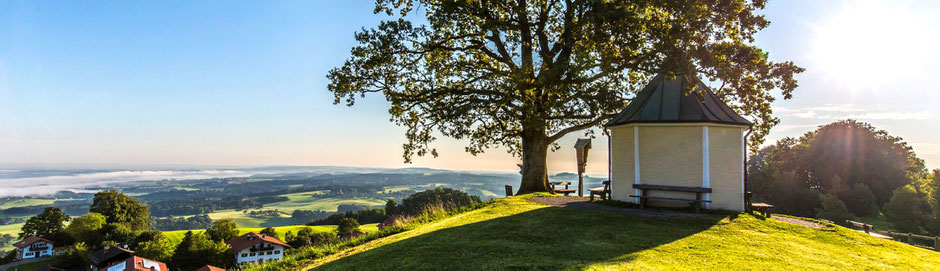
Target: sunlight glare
(872, 43)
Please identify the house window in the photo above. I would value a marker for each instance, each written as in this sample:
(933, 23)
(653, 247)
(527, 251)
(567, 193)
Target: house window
(269, 253)
(277, 252)
(252, 254)
(244, 254)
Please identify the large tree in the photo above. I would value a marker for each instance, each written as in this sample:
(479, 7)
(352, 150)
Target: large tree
(521, 74)
(46, 224)
(120, 208)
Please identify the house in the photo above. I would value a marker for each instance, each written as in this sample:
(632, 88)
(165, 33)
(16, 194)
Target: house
(256, 248)
(109, 256)
(677, 132)
(210, 268)
(33, 247)
(135, 263)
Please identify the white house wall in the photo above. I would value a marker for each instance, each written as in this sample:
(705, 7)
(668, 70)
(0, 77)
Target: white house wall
(274, 256)
(676, 155)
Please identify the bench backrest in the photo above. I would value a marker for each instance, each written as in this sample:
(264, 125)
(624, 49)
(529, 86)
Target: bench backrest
(606, 185)
(672, 188)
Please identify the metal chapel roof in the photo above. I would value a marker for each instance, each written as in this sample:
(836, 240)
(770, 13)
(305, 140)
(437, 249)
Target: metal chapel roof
(665, 100)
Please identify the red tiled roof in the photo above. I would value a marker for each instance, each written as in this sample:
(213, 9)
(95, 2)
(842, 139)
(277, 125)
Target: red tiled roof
(30, 240)
(210, 268)
(250, 239)
(135, 263)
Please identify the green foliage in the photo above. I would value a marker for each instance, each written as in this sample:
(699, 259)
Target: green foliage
(73, 256)
(906, 209)
(288, 236)
(120, 208)
(362, 216)
(347, 227)
(522, 74)
(850, 159)
(8, 257)
(85, 228)
(391, 207)
(114, 234)
(47, 224)
(158, 248)
(222, 230)
(197, 250)
(269, 231)
(860, 200)
(306, 237)
(442, 198)
(833, 209)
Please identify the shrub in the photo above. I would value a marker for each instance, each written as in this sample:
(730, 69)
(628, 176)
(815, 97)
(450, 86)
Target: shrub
(445, 198)
(73, 256)
(222, 230)
(347, 227)
(860, 200)
(269, 231)
(905, 209)
(391, 207)
(832, 209)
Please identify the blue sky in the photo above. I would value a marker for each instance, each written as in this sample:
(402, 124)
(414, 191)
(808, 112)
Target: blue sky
(239, 83)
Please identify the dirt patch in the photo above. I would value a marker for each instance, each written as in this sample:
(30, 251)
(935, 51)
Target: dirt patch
(585, 203)
(800, 222)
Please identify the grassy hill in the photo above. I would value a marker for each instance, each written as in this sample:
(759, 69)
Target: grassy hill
(177, 236)
(517, 234)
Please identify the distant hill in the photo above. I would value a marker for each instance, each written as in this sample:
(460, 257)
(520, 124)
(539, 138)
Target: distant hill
(416, 170)
(514, 233)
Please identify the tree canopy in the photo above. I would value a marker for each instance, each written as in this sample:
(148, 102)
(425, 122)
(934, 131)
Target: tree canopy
(522, 74)
(120, 208)
(46, 224)
(222, 230)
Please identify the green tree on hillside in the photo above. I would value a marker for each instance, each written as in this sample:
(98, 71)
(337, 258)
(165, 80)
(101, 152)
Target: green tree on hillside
(833, 209)
(269, 231)
(906, 210)
(196, 250)
(852, 160)
(523, 74)
(158, 248)
(85, 228)
(120, 208)
(347, 227)
(222, 230)
(46, 224)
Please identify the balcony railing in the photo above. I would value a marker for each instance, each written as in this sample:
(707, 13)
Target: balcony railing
(262, 249)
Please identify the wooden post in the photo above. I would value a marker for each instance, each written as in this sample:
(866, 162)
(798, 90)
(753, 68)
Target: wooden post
(910, 238)
(936, 243)
(581, 147)
(508, 190)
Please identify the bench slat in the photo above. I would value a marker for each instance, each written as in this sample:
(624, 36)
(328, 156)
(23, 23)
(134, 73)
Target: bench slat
(667, 198)
(672, 188)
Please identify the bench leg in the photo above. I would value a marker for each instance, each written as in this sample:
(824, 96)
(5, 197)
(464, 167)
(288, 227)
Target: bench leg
(592, 196)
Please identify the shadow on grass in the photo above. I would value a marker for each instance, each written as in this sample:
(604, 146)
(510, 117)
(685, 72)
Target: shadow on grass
(546, 238)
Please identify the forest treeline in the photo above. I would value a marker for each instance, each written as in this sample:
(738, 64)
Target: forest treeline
(847, 170)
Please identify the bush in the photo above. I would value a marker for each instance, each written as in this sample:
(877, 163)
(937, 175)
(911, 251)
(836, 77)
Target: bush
(391, 207)
(859, 200)
(347, 227)
(361, 216)
(832, 209)
(222, 230)
(306, 237)
(905, 209)
(73, 256)
(269, 231)
(444, 198)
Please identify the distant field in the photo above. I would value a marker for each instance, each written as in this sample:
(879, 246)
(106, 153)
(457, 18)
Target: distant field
(177, 236)
(298, 201)
(12, 203)
(12, 229)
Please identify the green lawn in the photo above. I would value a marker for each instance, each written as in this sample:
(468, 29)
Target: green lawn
(517, 234)
(12, 229)
(177, 236)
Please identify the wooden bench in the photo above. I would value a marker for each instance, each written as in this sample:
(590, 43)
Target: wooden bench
(762, 208)
(604, 192)
(695, 203)
(565, 191)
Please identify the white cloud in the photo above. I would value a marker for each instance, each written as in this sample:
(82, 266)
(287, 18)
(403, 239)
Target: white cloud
(851, 111)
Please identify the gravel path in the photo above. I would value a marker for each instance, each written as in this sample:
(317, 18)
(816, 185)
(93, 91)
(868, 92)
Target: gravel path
(799, 222)
(584, 203)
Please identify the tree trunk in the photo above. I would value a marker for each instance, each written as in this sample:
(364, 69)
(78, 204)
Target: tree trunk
(534, 166)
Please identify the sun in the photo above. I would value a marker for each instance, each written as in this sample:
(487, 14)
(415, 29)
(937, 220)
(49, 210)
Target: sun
(872, 43)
